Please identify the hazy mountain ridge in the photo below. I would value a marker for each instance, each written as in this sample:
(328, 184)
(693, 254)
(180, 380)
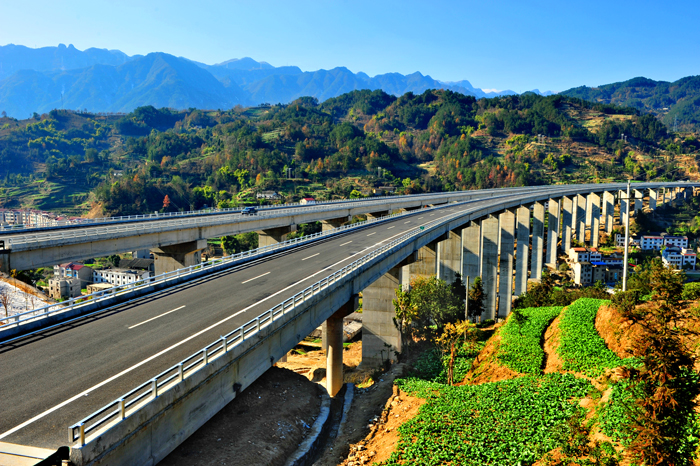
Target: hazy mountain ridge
(100, 80)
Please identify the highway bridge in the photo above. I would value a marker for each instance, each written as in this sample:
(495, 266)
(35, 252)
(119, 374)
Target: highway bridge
(126, 385)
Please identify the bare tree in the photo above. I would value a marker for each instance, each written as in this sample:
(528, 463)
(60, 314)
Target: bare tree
(5, 300)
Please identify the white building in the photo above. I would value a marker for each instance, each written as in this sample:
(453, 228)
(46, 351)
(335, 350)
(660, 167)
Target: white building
(307, 200)
(119, 277)
(677, 241)
(678, 258)
(579, 255)
(594, 255)
(651, 242)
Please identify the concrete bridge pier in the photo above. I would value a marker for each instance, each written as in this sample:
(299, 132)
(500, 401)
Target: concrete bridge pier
(380, 337)
(608, 211)
(449, 256)
(567, 205)
(580, 228)
(638, 200)
(653, 196)
(334, 223)
(177, 256)
(505, 286)
(623, 208)
(333, 336)
(471, 252)
(522, 248)
(537, 241)
(489, 263)
(594, 215)
(274, 235)
(5, 261)
(553, 232)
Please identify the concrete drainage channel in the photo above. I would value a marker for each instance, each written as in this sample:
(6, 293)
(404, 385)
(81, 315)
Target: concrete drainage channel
(327, 427)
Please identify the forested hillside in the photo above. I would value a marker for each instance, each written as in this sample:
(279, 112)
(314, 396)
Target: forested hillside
(348, 146)
(676, 103)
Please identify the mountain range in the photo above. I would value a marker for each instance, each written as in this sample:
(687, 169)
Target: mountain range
(100, 80)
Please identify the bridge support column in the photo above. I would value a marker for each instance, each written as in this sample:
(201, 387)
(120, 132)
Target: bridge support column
(608, 210)
(653, 196)
(274, 235)
(334, 351)
(471, 251)
(594, 210)
(638, 201)
(449, 257)
(623, 208)
(5, 261)
(380, 337)
(505, 286)
(553, 232)
(177, 256)
(580, 218)
(523, 247)
(537, 241)
(334, 223)
(489, 263)
(425, 263)
(567, 219)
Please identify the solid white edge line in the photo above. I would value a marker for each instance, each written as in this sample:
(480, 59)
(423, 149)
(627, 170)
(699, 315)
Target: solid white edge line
(166, 350)
(154, 318)
(314, 255)
(251, 279)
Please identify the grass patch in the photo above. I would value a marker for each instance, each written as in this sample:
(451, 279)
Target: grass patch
(511, 422)
(521, 343)
(581, 347)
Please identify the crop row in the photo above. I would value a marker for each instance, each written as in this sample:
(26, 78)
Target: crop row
(514, 421)
(521, 342)
(580, 346)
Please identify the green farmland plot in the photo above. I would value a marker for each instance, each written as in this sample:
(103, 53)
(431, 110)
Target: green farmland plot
(581, 347)
(521, 342)
(502, 423)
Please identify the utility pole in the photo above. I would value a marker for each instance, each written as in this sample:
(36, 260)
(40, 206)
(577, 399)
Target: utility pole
(627, 239)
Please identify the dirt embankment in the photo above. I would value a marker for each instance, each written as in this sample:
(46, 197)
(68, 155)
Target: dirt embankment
(264, 425)
(552, 361)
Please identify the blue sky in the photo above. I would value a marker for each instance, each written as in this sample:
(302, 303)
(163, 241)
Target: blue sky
(518, 45)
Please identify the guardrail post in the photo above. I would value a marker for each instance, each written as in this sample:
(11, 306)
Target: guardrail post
(154, 387)
(206, 355)
(181, 371)
(224, 344)
(122, 408)
(82, 434)
(257, 324)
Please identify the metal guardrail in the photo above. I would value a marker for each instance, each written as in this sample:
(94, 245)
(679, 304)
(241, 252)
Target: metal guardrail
(97, 232)
(72, 303)
(131, 401)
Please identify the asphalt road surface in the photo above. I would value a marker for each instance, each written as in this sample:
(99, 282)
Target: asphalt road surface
(54, 378)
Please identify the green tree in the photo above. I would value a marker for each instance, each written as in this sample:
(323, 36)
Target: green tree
(477, 299)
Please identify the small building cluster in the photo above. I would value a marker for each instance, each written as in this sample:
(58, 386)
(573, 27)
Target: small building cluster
(590, 266)
(678, 258)
(71, 278)
(33, 218)
(653, 241)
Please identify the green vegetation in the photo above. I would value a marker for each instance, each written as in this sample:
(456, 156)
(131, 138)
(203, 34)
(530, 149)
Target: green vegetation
(580, 346)
(521, 339)
(436, 141)
(509, 422)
